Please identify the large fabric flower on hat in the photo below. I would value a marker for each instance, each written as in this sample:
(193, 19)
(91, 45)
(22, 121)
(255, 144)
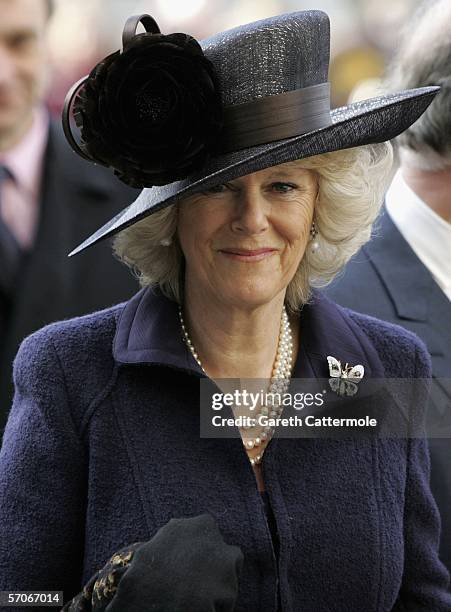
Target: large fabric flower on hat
(153, 111)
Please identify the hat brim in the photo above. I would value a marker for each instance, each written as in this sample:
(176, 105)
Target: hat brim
(366, 122)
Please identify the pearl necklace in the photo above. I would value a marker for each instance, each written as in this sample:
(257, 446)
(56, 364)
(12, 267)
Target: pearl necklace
(280, 381)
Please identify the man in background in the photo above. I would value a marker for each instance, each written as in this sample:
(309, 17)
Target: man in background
(50, 200)
(403, 274)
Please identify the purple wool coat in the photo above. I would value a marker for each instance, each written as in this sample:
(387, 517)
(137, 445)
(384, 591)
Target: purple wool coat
(102, 448)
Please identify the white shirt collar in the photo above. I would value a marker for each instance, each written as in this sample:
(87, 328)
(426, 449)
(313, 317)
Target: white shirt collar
(428, 235)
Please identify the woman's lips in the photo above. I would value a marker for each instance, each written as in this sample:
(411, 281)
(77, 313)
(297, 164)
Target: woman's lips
(248, 255)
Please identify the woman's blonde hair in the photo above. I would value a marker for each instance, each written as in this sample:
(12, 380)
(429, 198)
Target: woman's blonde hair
(351, 182)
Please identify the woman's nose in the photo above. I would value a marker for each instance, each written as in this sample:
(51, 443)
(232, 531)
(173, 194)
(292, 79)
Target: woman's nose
(251, 213)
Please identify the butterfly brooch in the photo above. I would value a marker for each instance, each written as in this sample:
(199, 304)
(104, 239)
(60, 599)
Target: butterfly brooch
(344, 379)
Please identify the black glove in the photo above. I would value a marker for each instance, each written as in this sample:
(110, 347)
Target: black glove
(185, 567)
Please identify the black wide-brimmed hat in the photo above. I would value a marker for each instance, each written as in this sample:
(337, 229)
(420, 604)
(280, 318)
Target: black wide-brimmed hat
(175, 117)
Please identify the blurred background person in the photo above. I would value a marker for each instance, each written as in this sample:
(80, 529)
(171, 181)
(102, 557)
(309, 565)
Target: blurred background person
(404, 274)
(50, 199)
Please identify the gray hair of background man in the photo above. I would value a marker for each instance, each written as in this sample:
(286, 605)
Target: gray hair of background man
(424, 58)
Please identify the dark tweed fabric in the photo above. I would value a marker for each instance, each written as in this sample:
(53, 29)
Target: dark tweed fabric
(102, 449)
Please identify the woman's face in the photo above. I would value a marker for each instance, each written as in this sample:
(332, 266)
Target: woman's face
(243, 240)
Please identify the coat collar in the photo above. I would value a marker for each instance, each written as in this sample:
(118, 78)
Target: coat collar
(149, 332)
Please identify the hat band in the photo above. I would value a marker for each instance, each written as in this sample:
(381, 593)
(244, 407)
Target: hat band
(276, 117)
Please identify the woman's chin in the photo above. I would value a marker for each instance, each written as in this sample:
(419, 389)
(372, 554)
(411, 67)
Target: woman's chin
(249, 296)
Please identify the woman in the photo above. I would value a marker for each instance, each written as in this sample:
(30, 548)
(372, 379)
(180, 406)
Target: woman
(258, 193)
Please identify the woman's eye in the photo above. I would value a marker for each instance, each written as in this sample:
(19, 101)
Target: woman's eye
(283, 187)
(221, 188)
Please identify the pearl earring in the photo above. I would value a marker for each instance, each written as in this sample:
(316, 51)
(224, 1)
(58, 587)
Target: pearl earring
(314, 244)
(166, 242)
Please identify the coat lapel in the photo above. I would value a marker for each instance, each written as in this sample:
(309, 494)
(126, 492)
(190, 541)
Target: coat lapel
(406, 279)
(420, 304)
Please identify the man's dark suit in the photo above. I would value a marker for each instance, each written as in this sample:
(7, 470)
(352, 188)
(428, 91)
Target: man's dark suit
(76, 198)
(388, 281)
